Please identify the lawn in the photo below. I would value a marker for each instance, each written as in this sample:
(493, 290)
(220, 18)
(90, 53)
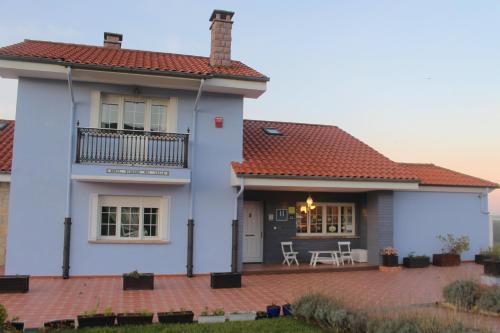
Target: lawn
(288, 325)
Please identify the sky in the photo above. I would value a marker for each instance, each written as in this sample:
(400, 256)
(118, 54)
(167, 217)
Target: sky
(417, 80)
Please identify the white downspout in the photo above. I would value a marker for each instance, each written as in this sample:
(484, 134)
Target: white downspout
(238, 194)
(192, 156)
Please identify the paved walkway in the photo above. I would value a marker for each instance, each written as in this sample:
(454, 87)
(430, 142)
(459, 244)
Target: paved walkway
(54, 298)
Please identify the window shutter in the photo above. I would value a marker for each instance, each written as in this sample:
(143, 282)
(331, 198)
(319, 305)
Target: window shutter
(95, 107)
(93, 216)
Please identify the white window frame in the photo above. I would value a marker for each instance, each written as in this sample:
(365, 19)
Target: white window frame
(163, 225)
(324, 233)
(98, 98)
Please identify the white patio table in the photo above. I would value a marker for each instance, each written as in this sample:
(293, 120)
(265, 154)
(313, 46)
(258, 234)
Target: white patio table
(326, 257)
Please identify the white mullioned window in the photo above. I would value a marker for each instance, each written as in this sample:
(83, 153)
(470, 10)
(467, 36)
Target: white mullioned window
(136, 113)
(326, 219)
(130, 218)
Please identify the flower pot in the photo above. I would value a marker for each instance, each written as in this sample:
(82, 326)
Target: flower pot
(242, 316)
(59, 324)
(416, 262)
(261, 315)
(14, 283)
(143, 281)
(479, 258)
(98, 320)
(287, 309)
(176, 317)
(134, 319)
(446, 259)
(225, 280)
(492, 267)
(273, 311)
(211, 319)
(390, 260)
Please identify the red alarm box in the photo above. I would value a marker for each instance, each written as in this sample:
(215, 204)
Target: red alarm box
(219, 122)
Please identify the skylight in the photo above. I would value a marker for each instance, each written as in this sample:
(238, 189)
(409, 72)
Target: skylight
(272, 131)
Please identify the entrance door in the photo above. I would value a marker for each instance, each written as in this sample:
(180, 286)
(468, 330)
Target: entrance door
(252, 231)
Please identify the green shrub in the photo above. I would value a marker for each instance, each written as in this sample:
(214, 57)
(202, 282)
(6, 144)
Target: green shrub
(490, 300)
(453, 245)
(3, 314)
(329, 313)
(462, 293)
(416, 324)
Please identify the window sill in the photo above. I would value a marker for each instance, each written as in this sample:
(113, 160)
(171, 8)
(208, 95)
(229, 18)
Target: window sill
(326, 237)
(131, 241)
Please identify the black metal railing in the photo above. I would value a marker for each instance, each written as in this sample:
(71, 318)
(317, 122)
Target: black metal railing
(101, 145)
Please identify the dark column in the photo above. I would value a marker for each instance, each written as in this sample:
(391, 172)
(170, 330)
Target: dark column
(66, 248)
(189, 265)
(234, 248)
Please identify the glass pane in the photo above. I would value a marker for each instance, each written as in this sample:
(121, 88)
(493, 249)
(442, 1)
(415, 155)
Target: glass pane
(108, 221)
(300, 219)
(134, 115)
(130, 222)
(158, 118)
(332, 219)
(150, 218)
(109, 116)
(346, 220)
(317, 220)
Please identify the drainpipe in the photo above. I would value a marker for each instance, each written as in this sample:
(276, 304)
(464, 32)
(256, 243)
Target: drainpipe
(67, 219)
(234, 247)
(190, 225)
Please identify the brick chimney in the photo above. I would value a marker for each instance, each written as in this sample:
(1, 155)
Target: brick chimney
(220, 46)
(112, 40)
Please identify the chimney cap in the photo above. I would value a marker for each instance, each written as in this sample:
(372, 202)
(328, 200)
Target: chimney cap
(113, 34)
(222, 13)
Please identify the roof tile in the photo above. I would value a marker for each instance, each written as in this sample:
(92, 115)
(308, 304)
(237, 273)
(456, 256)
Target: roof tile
(6, 144)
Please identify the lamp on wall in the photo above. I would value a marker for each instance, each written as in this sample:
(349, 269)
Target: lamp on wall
(310, 204)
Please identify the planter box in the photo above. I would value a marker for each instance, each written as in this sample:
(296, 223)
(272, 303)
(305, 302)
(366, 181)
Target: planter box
(59, 324)
(273, 311)
(134, 319)
(211, 319)
(261, 315)
(145, 281)
(390, 261)
(446, 259)
(242, 316)
(15, 326)
(492, 267)
(287, 309)
(225, 280)
(14, 283)
(98, 320)
(179, 317)
(416, 262)
(480, 258)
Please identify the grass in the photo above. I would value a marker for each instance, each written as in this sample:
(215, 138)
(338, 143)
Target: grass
(288, 325)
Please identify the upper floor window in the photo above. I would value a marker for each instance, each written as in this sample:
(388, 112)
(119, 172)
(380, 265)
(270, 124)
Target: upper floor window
(326, 219)
(135, 113)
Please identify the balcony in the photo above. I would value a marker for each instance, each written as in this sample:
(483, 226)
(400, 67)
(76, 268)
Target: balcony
(131, 147)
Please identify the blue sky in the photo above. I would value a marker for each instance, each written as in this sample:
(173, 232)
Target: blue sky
(417, 80)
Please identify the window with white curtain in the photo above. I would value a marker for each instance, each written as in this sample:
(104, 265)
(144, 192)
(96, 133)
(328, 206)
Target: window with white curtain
(326, 219)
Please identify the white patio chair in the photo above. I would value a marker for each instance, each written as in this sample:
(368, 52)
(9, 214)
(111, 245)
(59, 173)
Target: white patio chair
(288, 253)
(345, 252)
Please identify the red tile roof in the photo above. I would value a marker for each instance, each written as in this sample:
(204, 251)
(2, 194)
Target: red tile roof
(306, 150)
(430, 174)
(125, 60)
(6, 144)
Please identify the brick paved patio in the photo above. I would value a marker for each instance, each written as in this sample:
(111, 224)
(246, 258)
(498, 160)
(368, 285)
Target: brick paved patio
(54, 298)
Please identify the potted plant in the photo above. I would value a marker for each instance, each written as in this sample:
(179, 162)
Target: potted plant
(287, 309)
(14, 283)
(492, 265)
(215, 316)
(225, 280)
(135, 318)
(414, 261)
(390, 257)
(242, 316)
(63, 324)
(176, 317)
(261, 315)
(452, 248)
(483, 254)
(138, 281)
(273, 310)
(94, 319)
